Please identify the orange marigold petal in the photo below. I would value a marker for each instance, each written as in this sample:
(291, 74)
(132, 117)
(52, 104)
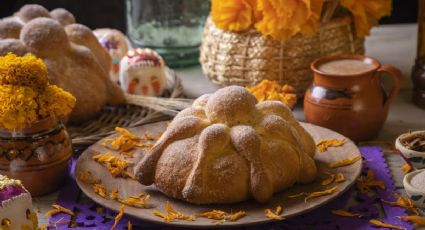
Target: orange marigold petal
(322, 193)
(419, 220)
(385, 225)
(345, 162)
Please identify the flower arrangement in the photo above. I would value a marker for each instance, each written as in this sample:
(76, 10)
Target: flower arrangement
(26, 95)
(282, 19)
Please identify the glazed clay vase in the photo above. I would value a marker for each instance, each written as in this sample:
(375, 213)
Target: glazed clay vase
(39, 156)
(354, 105)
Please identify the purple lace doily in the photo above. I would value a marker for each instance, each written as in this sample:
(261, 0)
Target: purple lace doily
(72, 198)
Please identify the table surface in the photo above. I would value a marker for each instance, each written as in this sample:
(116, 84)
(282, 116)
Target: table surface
(391, 44)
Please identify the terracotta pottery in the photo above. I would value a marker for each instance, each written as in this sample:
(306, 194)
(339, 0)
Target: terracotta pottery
(354, 105)
(39, 156)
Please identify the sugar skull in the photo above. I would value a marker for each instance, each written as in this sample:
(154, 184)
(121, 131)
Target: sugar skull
(16, 211)
(116, 43)
(142, 72)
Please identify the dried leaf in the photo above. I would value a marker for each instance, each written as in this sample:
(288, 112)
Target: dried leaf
(322, 193)
(406, 168)
(339, 178)
(58, 209)
(346, 162)
(345, 213)
(274, 215)
(329, 180)
(323, 145)
(419, 220)
(385, 225)
(118, 217)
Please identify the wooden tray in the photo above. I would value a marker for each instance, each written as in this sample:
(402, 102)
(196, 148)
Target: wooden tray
(255, 211)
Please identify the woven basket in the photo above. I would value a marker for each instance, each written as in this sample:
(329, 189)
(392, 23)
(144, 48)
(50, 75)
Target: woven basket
(246, 58)
(129, 115)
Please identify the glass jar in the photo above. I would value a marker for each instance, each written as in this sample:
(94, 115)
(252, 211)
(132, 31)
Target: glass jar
(172, 27)
(39, 156)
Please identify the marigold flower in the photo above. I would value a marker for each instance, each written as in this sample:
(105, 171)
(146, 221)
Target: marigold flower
(235, 15)
(282, 18)
(23, 71)
(367, 13)
(312, 24)
(18, 106)
(55, 102)
(26, 95)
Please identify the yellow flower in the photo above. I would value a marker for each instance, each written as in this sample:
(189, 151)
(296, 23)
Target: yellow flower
(18, 106)
(367, 13)
(24, 71)
(282, 18)
(55, 102)
(312, 24)
(233, 15)
(26, 95)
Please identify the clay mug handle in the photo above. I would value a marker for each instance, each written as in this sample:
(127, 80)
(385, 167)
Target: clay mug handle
(397, 78)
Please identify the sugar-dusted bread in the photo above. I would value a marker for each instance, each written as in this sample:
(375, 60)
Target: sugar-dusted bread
(227, 148)
(75, 59)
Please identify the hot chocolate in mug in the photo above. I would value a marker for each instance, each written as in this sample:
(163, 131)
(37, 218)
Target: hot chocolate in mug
(347, 95)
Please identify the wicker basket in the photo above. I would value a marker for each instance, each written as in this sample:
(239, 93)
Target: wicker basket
(246, 58)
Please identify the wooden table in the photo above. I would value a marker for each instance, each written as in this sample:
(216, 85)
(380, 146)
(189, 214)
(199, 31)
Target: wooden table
(391, 44)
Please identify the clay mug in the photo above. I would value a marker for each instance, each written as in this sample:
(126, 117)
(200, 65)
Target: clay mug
(353, 103)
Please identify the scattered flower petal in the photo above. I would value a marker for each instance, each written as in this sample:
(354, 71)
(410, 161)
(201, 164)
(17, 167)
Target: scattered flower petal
(406, 168)
(322, 193)
(345, 162)
(118, 217)
(323, 145)
(274, 214)
(385, 225)
(345, 213)
(419, 220)
(58, 209)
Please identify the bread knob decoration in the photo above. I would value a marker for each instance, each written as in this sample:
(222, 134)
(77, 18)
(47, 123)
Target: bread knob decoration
(227, 148)
(142, 72)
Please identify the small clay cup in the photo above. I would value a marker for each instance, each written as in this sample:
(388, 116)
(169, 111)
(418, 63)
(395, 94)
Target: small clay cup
(354, 105)
(415, 158)
(39, 156)
(416, 195)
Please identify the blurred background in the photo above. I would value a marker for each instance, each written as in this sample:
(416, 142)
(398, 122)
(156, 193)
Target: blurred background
(111, 13)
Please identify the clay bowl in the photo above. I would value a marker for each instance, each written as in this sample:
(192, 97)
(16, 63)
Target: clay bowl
(416, 195)
(412, 157)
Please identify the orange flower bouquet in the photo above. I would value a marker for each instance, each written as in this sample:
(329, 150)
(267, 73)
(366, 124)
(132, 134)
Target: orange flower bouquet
(246, 41)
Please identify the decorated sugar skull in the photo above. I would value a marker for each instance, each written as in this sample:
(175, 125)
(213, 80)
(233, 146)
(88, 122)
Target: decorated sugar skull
(117, 45)
(16, 211)
(142, 72)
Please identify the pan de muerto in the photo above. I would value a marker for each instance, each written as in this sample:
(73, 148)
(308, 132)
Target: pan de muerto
(75, 59)
(227, 148)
